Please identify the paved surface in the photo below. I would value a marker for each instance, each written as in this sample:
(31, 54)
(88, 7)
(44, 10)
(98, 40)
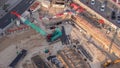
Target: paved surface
(11, 5)
(20, 8)
(106, 13)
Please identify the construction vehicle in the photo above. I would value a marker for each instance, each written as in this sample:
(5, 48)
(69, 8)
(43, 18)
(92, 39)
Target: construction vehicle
(54, 36)
(55, 61)
(109, 63)
(21, 55)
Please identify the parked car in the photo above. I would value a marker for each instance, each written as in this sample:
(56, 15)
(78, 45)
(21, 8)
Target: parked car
(92, 2)
(118, 19)
(113, 15)
(102, 8)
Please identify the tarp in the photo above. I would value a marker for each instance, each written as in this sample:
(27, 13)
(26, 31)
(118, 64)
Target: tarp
(75, 6)
(101, 21)
(60, 14)
(80, 10)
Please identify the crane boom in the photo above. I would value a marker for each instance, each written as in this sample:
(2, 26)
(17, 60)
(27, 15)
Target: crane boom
(27, 22)
(56, 34)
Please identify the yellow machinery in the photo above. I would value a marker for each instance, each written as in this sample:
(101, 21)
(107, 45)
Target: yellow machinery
(109, 62)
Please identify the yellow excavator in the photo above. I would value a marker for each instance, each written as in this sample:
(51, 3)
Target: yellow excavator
(109, 62)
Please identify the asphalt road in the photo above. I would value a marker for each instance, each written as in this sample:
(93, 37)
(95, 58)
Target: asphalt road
(106, 13)
(20, 8)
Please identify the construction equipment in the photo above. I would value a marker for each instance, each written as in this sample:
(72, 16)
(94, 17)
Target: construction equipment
(21, 55)
(55, 35)
(55, 61)
(109, 62)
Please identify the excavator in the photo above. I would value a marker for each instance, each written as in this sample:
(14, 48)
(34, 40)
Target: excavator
(50, 37)
(109, 63)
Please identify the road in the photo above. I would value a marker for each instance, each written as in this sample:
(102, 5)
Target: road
(106, 13)
(20, 8)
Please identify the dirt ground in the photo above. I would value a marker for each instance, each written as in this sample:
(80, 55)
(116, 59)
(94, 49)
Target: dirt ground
(15, 38)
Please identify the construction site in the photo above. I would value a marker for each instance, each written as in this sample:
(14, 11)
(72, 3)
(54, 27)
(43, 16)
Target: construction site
(59, 34)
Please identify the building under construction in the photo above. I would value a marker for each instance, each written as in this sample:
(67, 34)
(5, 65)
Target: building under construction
(38, 62)
(71, 59)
